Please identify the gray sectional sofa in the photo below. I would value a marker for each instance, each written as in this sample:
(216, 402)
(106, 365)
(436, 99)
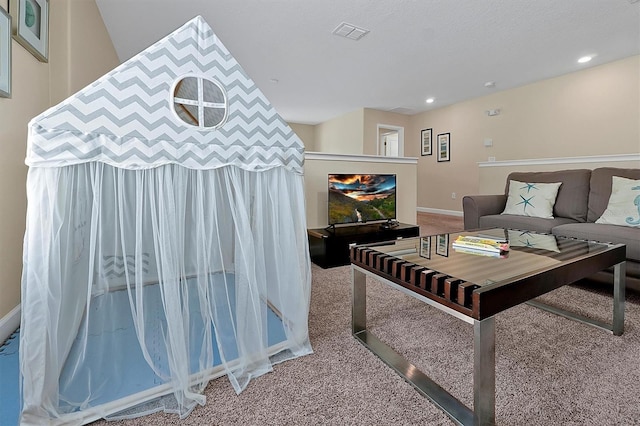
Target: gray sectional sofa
(582, 198)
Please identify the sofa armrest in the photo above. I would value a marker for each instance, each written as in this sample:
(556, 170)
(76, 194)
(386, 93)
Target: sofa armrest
(476, 206)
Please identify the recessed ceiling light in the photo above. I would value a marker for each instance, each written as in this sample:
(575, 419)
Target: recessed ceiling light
(585, 59)
(274, 81)
(490, 84)
(430, 100)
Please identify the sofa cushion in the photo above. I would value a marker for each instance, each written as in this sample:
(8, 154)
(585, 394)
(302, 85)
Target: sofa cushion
(573, 195)
(600, 192)
(531, 199)
(604, 233)
(528, 223)
(624, 204)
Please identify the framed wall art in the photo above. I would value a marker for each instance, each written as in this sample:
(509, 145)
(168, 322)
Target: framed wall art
(425, 247)
(444, 147)
(442, 245)
(31, 26)
(5, 54)
(425, 141)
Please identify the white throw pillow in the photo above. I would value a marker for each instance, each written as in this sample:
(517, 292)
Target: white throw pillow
(531, 199)
(624, 203)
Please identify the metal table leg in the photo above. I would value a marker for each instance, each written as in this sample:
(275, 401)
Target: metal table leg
(359, 301)
(619, 286)
(483, 365)
(484, 371)
(617, 324)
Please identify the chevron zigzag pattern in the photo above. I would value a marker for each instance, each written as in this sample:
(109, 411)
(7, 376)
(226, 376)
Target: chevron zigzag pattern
(117, 266)
(126, 118)
(55, 139)
(255, 158)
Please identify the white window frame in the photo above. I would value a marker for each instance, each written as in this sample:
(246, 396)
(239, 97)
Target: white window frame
(200, 103)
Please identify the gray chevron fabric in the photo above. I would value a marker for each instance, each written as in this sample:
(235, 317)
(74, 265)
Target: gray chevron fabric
(114, 266)
(128, 118)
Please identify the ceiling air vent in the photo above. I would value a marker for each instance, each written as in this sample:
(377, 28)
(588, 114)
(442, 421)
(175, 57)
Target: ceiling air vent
(350, 31)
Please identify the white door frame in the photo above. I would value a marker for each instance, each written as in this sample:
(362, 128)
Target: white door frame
(400, 130)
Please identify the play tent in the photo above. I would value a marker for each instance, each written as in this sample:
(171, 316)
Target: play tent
(166, 240)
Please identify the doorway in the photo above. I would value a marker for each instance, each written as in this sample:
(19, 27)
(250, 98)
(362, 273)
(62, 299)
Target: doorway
(390, 141)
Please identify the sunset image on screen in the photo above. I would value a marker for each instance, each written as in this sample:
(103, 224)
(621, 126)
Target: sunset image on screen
(361, 198)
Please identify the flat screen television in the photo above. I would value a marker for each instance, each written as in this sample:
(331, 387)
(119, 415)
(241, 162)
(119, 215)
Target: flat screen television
(361, 198)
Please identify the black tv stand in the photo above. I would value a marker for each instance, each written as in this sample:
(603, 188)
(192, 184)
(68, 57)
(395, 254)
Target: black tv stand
(390, 224)
(329, 246)
(330, 228)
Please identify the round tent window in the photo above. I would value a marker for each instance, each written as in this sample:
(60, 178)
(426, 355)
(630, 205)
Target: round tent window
(200, 102)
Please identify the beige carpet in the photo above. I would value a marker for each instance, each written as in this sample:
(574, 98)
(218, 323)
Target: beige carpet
(550, 370)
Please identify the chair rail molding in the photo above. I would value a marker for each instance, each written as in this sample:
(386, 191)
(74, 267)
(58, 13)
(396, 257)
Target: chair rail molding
(562, 160)
(359, 158)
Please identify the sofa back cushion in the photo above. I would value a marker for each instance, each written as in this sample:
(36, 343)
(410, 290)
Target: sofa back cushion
(573, 195)
(601, 180)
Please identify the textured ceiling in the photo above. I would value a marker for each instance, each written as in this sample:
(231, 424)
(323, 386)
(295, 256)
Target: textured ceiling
(416, 49)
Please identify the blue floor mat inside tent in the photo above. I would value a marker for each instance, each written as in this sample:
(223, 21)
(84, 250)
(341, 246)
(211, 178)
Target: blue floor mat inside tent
(9, 373)
(139, 376)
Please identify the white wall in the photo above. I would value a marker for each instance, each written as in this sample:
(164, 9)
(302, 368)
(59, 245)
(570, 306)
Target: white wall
(79, 52)
(592, 112)
(30, 96)
(374, 117)
(306, 133)
(341, 135)
(493, 175)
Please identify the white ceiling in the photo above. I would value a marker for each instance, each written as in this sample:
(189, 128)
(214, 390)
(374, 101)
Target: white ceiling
(447, 49)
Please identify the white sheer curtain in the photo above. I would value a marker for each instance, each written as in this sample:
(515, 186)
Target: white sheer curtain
(144, 283)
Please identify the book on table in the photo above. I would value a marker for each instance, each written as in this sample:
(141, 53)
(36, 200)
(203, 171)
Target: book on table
(481, 243)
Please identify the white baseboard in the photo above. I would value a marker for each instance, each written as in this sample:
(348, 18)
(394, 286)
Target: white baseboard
(439, 211)
(9, 323)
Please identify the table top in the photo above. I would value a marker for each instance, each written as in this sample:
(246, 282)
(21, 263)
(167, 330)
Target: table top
(481, 284)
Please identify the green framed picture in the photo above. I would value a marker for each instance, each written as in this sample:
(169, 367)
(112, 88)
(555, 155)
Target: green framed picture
(5, 54)
(31, 26)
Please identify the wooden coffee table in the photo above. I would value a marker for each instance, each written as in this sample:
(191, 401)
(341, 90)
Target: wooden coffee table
(474, 288)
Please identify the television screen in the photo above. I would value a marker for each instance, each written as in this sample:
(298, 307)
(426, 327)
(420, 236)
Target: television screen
(361, 198)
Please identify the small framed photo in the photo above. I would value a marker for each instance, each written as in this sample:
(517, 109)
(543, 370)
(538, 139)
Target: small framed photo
(31, 26)
(444, 147)
(425, 141)
(5, 54)
(442, 245)
(425, 247)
